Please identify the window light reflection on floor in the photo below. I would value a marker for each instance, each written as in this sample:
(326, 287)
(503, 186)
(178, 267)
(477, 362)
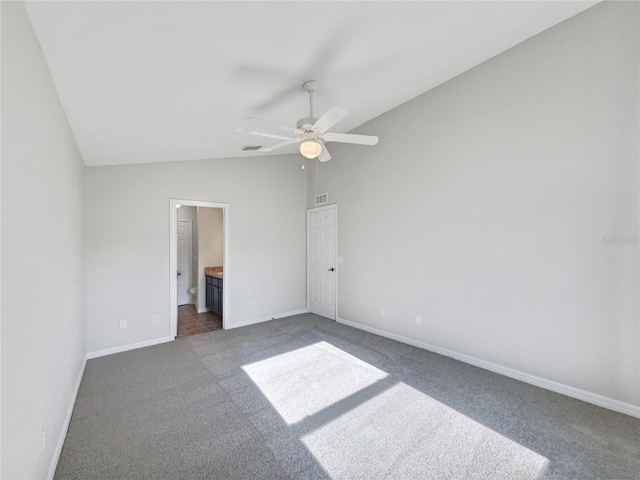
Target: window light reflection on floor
(305, 381)
(404, 433)
(393, 430)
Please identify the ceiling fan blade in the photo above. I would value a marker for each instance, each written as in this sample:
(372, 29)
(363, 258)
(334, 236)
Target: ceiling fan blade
(278, 127)
(351, 138)
(291, 141)
(329, 119)
(269, 135)
(325, 156)
(258, 74)
(278, 97)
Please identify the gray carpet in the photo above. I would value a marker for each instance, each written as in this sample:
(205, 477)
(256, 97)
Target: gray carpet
(304, 397)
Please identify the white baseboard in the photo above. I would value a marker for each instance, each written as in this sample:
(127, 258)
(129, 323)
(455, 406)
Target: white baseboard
(589, 397)
(65, 423)
(202, 310)
(131, 346)
(265, 319)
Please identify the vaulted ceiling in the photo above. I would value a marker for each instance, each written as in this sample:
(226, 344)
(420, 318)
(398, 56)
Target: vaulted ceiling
(149, 82)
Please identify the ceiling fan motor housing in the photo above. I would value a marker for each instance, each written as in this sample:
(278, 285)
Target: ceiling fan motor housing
(306, 124)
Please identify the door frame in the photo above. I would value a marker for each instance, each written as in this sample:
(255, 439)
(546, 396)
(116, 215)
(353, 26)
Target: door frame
(173, 259)
(337, 271)
(190, 262)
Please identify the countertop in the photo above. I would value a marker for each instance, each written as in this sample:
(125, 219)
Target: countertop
(213, 271)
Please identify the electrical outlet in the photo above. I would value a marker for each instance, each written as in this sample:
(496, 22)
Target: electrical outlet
(382, 311)
(44, 438)
(123, 323)
(155, 318)
(418, 319)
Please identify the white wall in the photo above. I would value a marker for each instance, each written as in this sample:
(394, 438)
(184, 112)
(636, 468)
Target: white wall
(484, 207)
(210, 247)
(191, 213)
(43, 266)
(128, 241)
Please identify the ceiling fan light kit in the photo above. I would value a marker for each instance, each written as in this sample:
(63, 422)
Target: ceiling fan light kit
(313, 132)
(310, 149)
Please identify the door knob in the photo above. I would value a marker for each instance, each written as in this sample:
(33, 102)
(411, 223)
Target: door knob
(331, 269)
(179, 273)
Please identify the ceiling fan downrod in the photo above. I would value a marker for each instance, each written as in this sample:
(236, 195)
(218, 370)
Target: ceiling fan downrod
(310, 86)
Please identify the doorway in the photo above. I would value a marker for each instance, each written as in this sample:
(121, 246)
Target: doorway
(199, 243)
(322, 248)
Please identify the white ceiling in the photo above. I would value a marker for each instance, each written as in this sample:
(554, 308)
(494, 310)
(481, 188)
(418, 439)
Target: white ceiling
(149, 82)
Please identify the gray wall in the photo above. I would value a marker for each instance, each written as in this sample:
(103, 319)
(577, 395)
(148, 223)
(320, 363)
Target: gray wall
(484, 207)
(43, 277)
(128, 241)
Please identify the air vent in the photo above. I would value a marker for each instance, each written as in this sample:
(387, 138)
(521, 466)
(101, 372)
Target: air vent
(248, 148)
(322, 198)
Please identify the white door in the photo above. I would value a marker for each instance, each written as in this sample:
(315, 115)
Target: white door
(321, 261)
(184, 261)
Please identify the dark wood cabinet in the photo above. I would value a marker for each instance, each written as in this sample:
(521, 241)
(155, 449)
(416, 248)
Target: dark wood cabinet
(208, 296)
(214, 295)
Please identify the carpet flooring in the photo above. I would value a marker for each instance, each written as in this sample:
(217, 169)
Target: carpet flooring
(307, 398)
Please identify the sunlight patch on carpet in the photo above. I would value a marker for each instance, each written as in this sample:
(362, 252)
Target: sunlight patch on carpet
(305, 381)
(404, 433)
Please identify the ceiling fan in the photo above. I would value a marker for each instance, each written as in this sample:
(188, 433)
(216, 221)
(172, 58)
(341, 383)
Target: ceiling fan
(312, 133)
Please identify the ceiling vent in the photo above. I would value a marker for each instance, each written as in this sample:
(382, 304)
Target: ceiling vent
(249, 148)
